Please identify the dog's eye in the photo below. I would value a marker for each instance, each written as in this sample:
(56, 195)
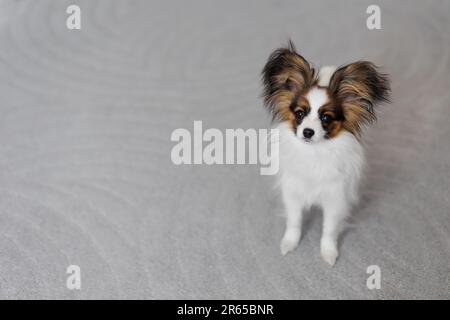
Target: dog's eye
(325, 118)
(299, 114)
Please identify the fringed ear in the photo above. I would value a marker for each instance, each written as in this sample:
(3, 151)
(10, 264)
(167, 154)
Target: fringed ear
(285, 75)
(358, 87)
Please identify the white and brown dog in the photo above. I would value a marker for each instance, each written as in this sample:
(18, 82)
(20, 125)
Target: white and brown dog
(320, 117)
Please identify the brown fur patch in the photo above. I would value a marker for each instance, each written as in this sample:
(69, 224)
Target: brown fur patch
(334, 112)
(286, 76)
(358, 87)
(300, 103)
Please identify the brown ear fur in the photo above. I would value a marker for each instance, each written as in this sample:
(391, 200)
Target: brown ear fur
(358, 87)
(285, 76)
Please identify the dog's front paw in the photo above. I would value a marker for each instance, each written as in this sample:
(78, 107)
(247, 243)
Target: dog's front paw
(329, 252)
(289, 243)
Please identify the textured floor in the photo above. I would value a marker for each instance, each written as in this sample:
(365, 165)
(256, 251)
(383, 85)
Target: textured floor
(85, 170)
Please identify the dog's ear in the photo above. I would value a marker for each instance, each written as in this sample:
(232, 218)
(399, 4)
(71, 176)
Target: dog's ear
(358, 87)
(285, 75)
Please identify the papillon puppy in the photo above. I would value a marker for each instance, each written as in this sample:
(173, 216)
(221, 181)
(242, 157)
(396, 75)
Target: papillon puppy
(320, 117)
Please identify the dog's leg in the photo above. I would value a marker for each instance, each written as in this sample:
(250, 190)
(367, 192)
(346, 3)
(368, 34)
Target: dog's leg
(294, 208)
(335, 210)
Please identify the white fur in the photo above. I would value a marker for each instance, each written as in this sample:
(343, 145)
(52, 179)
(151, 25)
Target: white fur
(325, 74)
(323, 172)
(317, 98)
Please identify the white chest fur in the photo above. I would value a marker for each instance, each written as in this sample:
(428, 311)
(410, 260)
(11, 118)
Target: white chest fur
(316, 171)
(324, 173)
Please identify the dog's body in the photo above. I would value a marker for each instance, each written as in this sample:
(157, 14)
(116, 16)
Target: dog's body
(319, 120)
(326, 175)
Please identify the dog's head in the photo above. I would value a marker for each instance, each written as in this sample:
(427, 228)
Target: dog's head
(320, 106)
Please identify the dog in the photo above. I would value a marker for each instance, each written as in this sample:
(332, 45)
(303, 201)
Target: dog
(320, 117)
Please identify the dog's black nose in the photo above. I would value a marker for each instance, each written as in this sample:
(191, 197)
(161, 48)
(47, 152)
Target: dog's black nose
(308, 133)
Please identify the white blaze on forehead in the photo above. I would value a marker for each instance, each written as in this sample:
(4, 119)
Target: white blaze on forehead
(317, 97)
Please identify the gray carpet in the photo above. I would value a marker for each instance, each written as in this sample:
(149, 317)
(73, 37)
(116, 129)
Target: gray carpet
(85, 170)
